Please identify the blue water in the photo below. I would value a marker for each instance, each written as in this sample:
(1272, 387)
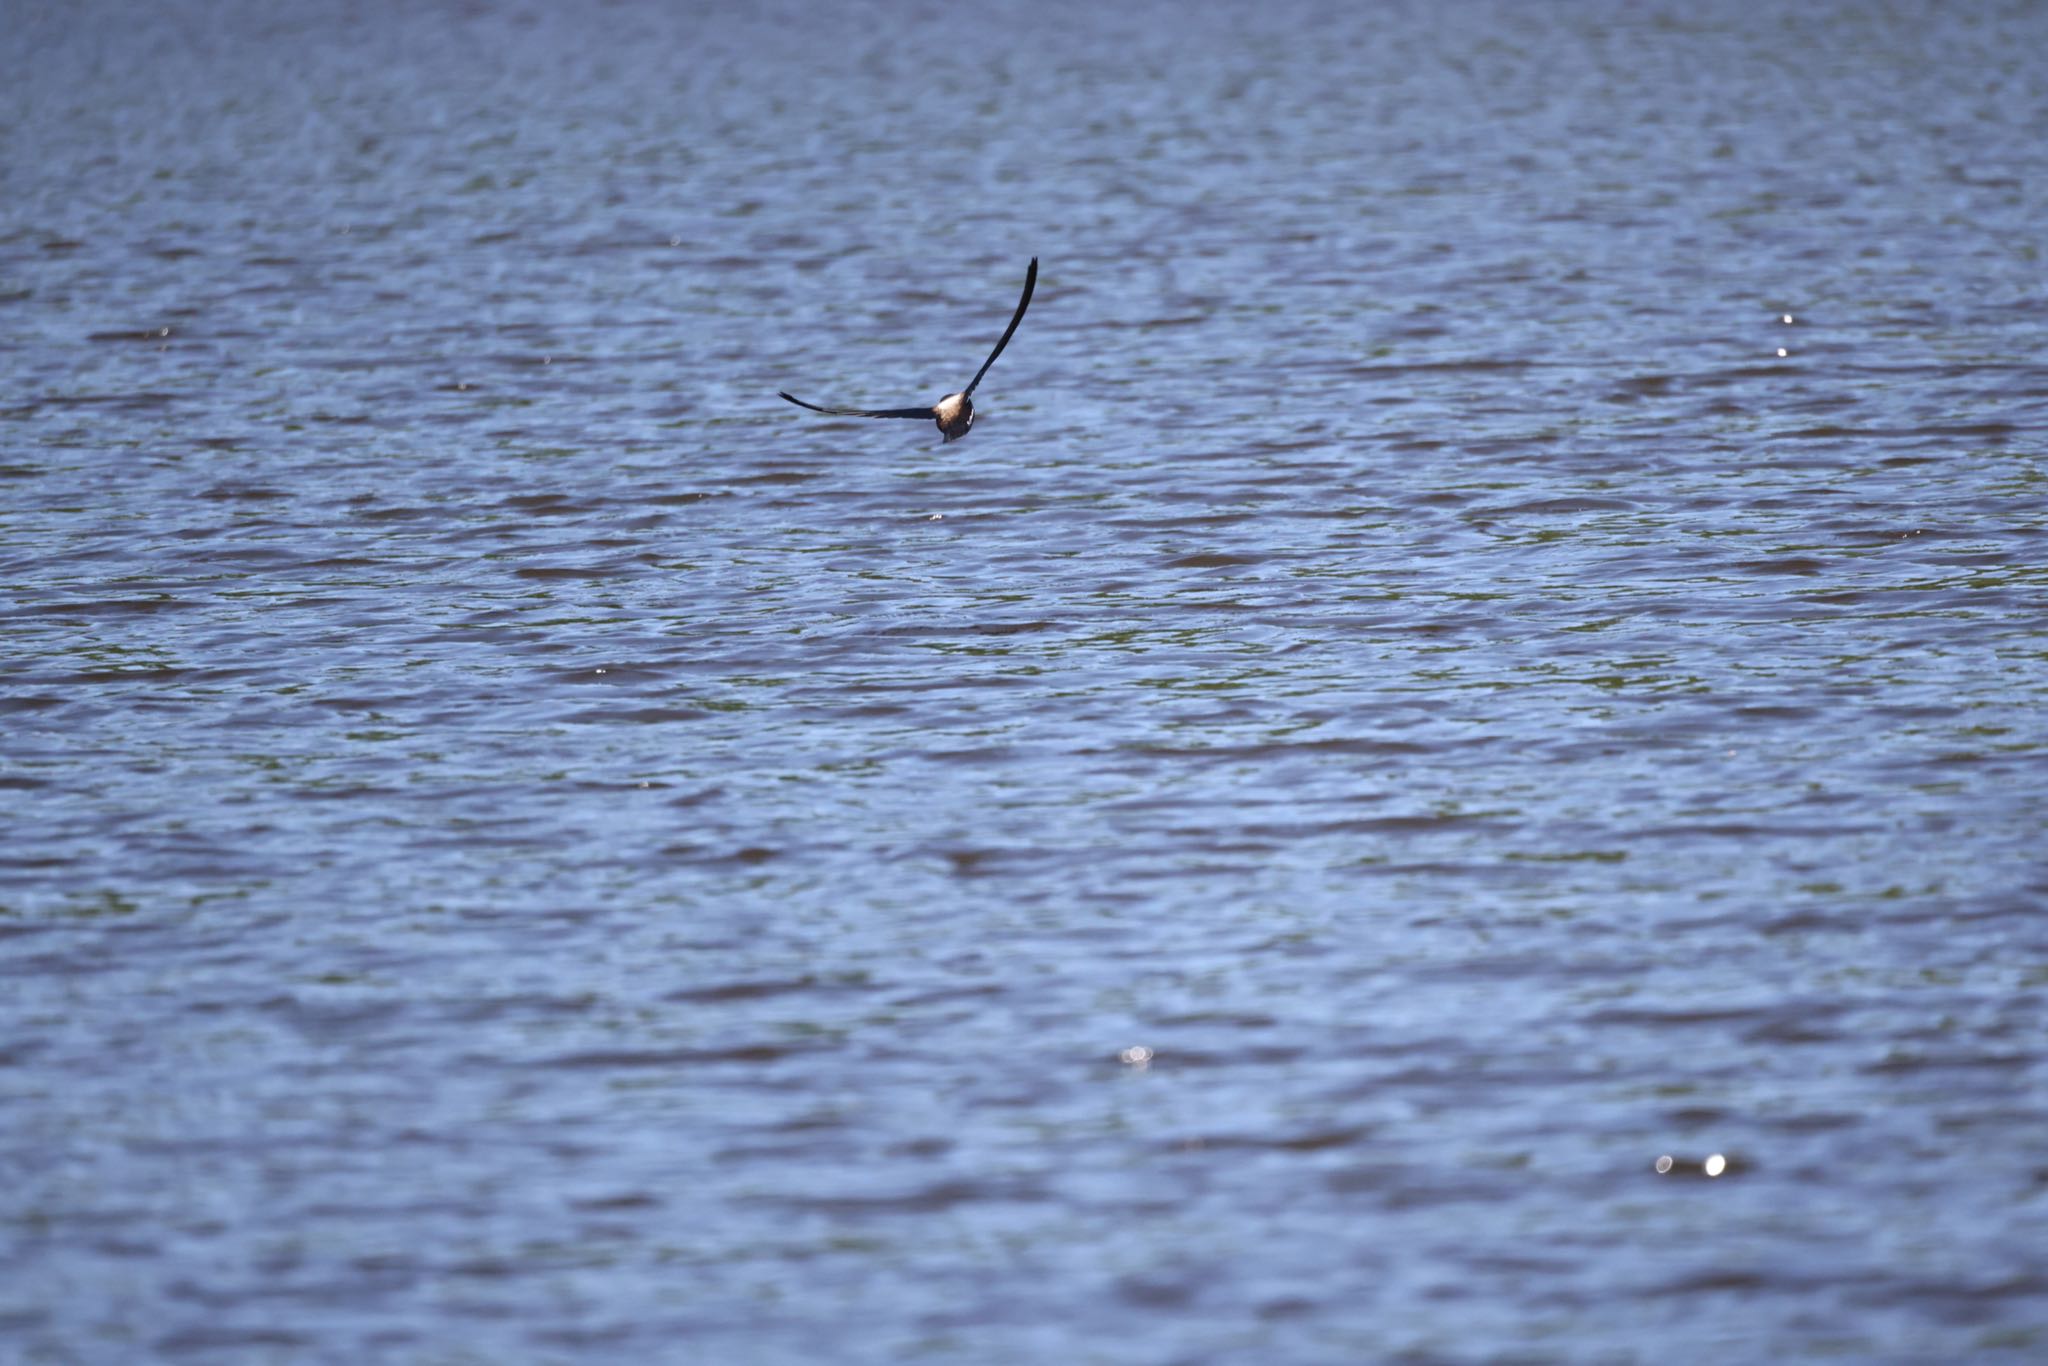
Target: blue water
(1492, 628)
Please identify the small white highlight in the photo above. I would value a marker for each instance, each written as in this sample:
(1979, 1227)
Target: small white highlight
(1782, 353)
(1785, 318)
(1664, 1165)
(1714, 1165)
(1137, 1055)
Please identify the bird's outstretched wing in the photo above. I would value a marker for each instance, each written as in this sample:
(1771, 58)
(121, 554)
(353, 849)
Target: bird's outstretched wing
(925, 413)
(1030, 283)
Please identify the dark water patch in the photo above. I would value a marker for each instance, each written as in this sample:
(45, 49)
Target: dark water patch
(238, 493)
(1556, 507)
(141, 401)
(545, 504)
(1790, 564)
(1213, 560)
(1912, 1063)
(739, 1055)
(116, 608)
(635, 716)
(727, 992)
(615, 674)
(936, 1197)
(1308, 1141)
(546, 573)
(227, 1337)
(362, 509)
(1992, 431)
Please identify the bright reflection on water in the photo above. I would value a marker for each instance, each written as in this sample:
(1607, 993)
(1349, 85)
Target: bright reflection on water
(1425, 688)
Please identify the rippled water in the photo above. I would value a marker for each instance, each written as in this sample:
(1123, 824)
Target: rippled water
(1493, 628)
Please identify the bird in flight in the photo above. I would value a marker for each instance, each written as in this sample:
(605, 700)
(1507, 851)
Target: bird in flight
(955, 412)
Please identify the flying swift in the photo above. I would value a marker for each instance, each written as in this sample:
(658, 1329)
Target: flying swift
(955, 412)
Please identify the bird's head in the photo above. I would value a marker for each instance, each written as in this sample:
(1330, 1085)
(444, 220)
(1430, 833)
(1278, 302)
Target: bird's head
(955, 414)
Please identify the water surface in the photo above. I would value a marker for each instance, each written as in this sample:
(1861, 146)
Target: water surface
(1492, 628)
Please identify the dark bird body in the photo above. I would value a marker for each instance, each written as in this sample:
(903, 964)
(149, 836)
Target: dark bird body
(955, 412)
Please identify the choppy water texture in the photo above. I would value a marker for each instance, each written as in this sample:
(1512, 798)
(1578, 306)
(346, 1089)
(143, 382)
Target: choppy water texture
(1495, 619)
